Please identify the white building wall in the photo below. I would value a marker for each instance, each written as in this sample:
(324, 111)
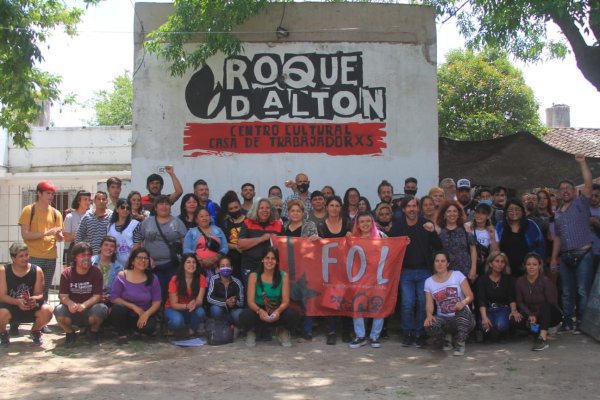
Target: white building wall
(71, 158)
(399, 55)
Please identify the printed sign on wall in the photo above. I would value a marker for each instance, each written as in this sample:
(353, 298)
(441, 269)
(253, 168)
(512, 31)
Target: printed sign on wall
(256, 94)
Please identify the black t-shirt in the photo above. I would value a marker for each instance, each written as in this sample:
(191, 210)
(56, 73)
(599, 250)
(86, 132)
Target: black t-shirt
(501, 293)
(515, 247)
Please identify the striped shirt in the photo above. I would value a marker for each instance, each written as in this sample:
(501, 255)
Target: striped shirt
(92, 229)
(573, 225)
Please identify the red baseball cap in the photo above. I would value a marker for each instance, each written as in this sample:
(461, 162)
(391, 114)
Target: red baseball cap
(46, 186)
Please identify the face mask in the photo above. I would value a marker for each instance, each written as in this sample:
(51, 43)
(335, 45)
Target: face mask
(410, 192)
(235, 214)
(381, 223)
(303, 187)
(225, 272)
(488, 202)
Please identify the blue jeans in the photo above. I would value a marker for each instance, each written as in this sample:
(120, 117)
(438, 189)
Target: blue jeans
(412, 309)
(359, 327)
(177, 319)
(218, 312)
(499, 317)
(577, 275)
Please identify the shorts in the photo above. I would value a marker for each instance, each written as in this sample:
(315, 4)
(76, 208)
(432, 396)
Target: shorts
(99, 310)
(19, 316)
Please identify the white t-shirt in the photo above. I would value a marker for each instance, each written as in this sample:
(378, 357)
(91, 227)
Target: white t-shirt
(446, 294)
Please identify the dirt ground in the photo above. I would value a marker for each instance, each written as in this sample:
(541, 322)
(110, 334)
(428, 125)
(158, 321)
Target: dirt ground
(156, 369)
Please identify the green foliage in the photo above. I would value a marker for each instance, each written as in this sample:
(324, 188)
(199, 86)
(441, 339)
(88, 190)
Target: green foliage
(520, 28)
(116, 107)
(482, 96)
(207, 20)
(26, 24)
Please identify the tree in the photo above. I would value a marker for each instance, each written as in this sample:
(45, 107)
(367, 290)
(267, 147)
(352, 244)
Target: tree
(214, 20)
(520, 27)
(116, 107)
(26, 24)
(482, 96)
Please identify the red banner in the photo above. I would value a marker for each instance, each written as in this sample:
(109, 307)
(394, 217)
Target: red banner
(351, 277)
(281, 137)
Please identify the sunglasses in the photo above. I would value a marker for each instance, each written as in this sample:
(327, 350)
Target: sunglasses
(124, 208)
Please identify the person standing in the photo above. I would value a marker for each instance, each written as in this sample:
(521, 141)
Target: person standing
(155, 184)
(415, 269)
(302, 184)
(94, 224)
(113, 187)
(573, 241)
(202, 193)
(248, 193)
(80, 206)
(41, 228)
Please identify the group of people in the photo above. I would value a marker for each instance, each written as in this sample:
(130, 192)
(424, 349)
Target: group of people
(475, 260)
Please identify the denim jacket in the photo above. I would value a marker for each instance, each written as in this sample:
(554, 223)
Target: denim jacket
(191, 239)
(115, 268)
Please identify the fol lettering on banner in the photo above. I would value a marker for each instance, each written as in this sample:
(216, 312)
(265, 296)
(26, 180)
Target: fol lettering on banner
(352, 277)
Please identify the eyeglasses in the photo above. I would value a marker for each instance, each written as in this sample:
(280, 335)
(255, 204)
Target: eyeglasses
(124, 208)
(142, 258)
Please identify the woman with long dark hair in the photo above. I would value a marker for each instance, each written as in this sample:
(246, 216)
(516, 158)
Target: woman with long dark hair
(188, 206)
(518, 236)
(135, 202)
(268, 300)
(187, 288)
(335, 225)
(125, 229)
(350, 205)
(135, 296)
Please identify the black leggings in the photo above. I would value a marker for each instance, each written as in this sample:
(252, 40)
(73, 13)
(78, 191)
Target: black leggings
(125, 320)
(548, 315)
(289, 319)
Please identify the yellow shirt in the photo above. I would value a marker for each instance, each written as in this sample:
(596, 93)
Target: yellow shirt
(41, 222)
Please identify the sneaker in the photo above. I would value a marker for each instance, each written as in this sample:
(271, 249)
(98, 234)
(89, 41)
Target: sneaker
(540, 344)
(283, 335)
(420, 342)
(250, 339)
(358, 342)
(4, 339)
(46, 329)
(375, 343)
(14, 330)
(307, 336)
(459, 350)
(94, 338)
(577, 328)
(36, 336)
(331, 339)
(447, 342)
(408, 341)
(70, 340)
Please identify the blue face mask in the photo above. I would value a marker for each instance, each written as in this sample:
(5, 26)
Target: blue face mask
(488, 202)
(225, 272)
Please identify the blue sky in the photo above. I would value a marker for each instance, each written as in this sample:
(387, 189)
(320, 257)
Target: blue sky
(104, 49)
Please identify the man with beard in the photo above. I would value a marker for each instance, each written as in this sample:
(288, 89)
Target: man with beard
(248, 192)
(302, 185)
(573, 241)
(530, 202)
(410, 186)
(155, 184)
(416, 268)
(202, 192)
(449, 187)
(80, 296)
(463, 195)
